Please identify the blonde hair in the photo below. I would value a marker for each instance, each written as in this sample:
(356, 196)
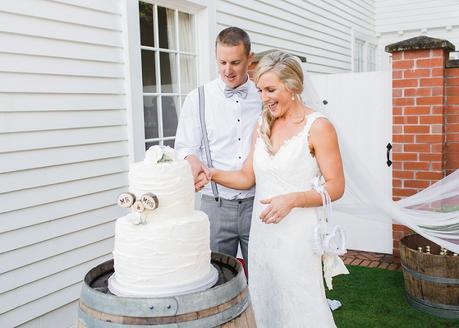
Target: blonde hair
(288, 69)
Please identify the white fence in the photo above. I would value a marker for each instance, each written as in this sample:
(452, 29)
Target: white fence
(361, 104)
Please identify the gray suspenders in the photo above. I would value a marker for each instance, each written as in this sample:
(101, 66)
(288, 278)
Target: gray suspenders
(202, 118)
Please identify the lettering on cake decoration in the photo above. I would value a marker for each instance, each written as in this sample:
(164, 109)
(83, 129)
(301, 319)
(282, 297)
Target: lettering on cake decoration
(147, 201)
(126, 199)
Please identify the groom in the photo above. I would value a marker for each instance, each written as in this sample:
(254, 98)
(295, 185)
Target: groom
(232, 108)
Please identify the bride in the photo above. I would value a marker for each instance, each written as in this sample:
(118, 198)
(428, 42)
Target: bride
(292, 146)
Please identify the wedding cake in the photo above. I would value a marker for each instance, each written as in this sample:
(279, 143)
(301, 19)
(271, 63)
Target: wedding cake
(162, 246)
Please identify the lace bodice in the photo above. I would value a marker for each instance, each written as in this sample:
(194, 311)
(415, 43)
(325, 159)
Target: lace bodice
(292, 168)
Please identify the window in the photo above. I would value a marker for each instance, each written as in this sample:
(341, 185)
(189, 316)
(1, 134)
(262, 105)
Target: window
(371, 57)
(358, 55)
(364, 53)
(169, 68)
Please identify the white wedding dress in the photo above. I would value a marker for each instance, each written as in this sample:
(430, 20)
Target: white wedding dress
(285, 276)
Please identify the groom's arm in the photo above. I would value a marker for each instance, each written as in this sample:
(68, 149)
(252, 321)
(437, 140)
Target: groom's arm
(189, 135)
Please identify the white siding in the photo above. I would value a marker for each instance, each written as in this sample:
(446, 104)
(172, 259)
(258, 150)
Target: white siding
(319, 30)
(401, 20)
(63, 152)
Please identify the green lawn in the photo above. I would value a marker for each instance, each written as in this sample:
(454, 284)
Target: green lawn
(376, 298)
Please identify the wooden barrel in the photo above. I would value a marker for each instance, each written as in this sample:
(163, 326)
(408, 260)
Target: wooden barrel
(431, 280)
(227, 304)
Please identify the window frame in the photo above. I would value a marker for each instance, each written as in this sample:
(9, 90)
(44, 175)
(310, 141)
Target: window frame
(204, 12)
(368, 42)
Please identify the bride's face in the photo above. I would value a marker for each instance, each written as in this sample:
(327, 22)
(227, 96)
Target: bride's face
(274, 94)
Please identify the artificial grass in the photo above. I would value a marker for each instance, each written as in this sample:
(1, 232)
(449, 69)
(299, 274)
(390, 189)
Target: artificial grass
(376, 298)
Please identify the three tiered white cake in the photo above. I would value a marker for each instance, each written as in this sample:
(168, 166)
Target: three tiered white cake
(162, 246)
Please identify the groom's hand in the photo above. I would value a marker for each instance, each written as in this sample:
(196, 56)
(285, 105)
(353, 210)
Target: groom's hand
(277, 209)
(201, 173)
(195, 164)
(202, 179)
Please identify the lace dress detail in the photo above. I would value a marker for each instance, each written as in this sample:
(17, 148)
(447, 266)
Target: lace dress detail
(285, 276)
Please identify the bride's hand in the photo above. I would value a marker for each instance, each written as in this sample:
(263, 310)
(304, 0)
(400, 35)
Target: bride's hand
(277, 209)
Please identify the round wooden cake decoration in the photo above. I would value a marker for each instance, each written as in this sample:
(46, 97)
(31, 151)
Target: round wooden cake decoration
(138, 206)
(150, 201)
(126, 199)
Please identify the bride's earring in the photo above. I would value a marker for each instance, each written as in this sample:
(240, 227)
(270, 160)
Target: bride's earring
(293, 97)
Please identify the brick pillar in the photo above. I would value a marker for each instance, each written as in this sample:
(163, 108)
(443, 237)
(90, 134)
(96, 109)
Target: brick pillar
(452, 116)
(418, 117)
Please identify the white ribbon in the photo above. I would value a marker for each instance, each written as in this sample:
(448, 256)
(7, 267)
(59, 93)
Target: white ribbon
(328, 244)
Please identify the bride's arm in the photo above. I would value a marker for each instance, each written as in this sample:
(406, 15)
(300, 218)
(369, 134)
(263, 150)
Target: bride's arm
(324, 141)
(241, 179)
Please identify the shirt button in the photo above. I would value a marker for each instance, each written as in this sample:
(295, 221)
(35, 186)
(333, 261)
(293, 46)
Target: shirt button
(238, 120)
(240, 202)
(240, 157)
(237, 101)
(239, 139)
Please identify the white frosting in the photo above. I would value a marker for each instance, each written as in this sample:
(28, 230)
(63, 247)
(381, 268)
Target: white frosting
(171, 182)
(164, 254)
(170, 254)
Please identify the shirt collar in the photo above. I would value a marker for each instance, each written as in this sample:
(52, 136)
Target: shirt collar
(222, 84)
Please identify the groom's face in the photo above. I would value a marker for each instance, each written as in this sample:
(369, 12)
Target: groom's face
(233, 64)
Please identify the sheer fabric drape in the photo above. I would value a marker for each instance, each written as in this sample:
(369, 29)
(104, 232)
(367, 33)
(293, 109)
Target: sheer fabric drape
(172, 41)
(186, 62)
(433, 212)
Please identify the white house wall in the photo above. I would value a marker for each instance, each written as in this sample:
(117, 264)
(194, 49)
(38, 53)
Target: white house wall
(401, 20)
(63, 152)
(319, 30)
(64, 129)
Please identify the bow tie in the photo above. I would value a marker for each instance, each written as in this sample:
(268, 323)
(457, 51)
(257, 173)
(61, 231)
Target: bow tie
(241, 91)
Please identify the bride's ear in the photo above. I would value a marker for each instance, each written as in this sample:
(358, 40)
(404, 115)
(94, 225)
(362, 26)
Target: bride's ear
(290, 92)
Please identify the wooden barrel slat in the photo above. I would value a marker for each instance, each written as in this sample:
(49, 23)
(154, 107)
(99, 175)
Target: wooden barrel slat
(226, 303)
(431, 280)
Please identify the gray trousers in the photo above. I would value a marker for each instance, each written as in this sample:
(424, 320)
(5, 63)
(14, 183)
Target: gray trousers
(229, 224)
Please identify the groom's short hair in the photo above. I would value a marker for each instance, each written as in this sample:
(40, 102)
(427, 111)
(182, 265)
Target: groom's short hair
(232, 36)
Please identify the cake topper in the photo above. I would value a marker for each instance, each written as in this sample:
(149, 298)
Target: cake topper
(126, 199)
(148, 201)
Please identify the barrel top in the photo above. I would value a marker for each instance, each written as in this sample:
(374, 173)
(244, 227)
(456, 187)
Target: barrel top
(445, 268)
(231, 282)
(412, 242)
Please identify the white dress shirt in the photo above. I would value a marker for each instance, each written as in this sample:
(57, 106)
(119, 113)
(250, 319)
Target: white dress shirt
(230, 123)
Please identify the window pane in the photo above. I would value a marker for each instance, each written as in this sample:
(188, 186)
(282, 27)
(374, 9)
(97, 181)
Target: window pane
(148, 71)
(186, 32)
(146, 24)
(150, 116)
(170, 106)
(358, 55)
(187, 73)
(168, 65)
(170, 143)
(166, 28)
(371, 57)
(150, 143)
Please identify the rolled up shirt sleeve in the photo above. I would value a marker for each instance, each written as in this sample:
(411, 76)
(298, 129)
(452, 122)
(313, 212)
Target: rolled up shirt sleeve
(188, 139)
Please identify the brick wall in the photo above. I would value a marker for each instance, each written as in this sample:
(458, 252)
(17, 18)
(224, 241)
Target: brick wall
(418, 120)
(452, 118)
(425, 105)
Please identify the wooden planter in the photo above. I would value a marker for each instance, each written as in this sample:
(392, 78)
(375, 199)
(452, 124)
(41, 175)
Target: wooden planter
(431, 280)
(225, 305)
